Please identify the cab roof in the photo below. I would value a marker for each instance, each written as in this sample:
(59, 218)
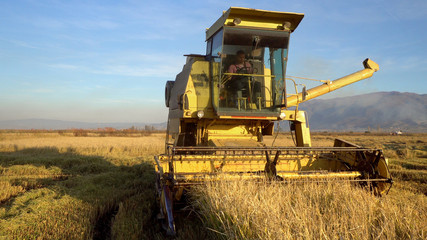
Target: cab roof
(255, 18)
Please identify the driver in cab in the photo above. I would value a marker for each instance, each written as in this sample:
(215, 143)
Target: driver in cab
(240, 66)
(238, 86)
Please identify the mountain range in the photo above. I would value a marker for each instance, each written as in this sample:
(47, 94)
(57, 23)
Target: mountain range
(385, 111)
(62, 125)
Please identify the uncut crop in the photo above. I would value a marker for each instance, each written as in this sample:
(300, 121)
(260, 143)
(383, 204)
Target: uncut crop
(333, 210)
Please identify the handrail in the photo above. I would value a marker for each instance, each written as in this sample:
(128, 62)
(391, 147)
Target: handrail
(248, 75)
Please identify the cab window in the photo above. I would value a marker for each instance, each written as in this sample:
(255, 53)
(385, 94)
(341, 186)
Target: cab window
(251, 72)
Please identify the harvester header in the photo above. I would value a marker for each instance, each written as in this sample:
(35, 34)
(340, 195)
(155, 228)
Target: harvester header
(224, 102)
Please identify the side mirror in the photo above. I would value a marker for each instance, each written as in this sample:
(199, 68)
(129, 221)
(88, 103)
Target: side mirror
(256, 53)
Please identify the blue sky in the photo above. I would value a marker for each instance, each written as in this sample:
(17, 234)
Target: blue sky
(108, 61)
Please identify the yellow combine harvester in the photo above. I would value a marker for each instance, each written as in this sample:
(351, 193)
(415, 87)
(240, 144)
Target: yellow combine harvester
(223, 103)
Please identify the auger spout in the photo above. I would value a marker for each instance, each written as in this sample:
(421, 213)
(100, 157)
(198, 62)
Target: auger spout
(370, 68)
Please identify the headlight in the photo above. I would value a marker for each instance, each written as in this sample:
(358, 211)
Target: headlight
(282, 115)
(200, 114)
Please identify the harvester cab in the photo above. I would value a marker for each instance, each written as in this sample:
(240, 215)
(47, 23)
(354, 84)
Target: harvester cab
(238, 88)
(223, 103)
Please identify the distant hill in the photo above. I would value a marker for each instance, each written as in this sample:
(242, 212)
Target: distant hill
(58, 124)
(388, 111)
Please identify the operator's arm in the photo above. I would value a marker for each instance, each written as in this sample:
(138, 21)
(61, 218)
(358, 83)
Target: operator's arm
(232, 69)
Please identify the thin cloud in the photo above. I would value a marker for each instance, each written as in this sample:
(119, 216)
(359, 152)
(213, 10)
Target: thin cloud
(93, 24)
(377, 12)
(20, 43)
(405, 10)
(414, 63)
(136, 71)
(113, 101)
(45, 22)
(41, 90)
(156, 100)
(64, 66)
(133, 65)
(147, 36)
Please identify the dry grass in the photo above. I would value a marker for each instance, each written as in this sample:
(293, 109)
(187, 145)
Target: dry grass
(87, 146)
(63, 187)
(250, 210)
(58, 186)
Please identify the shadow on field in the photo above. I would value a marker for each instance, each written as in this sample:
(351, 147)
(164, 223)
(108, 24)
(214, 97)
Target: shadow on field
(99, 182)
(119, 193)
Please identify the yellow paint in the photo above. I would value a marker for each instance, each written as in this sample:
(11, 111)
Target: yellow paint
(227, 130)
(288, 166)
(255, 18)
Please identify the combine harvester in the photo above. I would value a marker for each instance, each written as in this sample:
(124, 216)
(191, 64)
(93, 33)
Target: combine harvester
(223, 103)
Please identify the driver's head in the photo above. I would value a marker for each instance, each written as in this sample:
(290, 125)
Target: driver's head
(240, 57)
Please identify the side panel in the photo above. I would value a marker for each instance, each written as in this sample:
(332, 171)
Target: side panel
(180, 86)
(302, 131)
(198, 91)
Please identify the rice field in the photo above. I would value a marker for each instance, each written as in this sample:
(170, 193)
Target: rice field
(55, 185)
(64, 187)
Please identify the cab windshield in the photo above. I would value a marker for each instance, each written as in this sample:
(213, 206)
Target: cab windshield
(250, 78)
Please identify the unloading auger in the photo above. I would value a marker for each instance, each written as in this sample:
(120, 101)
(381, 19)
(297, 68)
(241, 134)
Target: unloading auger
(224, 102)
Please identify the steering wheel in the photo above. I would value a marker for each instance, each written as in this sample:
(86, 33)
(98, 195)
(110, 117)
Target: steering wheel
(245, 69)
